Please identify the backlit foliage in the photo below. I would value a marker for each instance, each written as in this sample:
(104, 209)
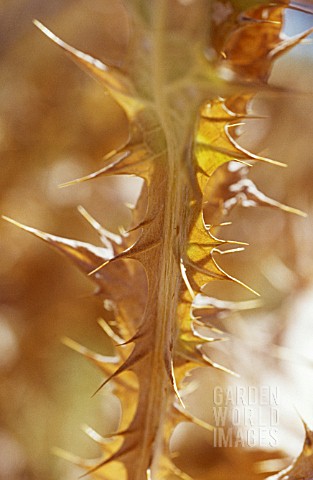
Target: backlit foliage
(186, 86)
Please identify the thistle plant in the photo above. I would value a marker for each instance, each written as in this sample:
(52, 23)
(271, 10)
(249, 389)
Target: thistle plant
(187, 86)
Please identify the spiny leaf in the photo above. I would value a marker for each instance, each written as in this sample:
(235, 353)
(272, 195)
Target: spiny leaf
(117, 84)
(180, 132)
(112, 282)
(134, 160)
(232, 185)
(215, 141)
(107, 238)
(205, 308)
(258, 40)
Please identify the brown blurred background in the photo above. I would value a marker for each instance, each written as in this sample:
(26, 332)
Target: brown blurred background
(56, 124)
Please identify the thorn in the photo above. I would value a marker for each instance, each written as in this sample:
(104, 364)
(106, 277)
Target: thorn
(70, 457)
(45, 30)
(223, 224)
(123, 231)
(96, 225)
(290, 42)
(185, 278)
(238, 124)
(100, 439)
(208, 227)
(204, 302)
(125, 366)
(305, 425)
(295, 211)
(175, 387)
(103, 384)
(14, 222)
(245, 163)
(108, 330)
(112, 458)
(208, 360)
(113, 159)
(193, 419)
(34, 231)
(132, 339)
(59, 452)
(143, 223)
(98, 268)
(234, 279)
(97, 357)
(80, 57)
(250, 155)
(91, 433)
(74, 182)
(232, 250)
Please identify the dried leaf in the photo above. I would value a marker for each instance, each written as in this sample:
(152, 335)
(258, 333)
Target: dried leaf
(231, 187)
(180, 133)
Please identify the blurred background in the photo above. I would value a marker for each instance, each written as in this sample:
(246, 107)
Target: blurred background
(56, 124)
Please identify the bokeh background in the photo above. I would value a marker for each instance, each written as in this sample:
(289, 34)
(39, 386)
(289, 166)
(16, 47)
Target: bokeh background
(56, 124)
